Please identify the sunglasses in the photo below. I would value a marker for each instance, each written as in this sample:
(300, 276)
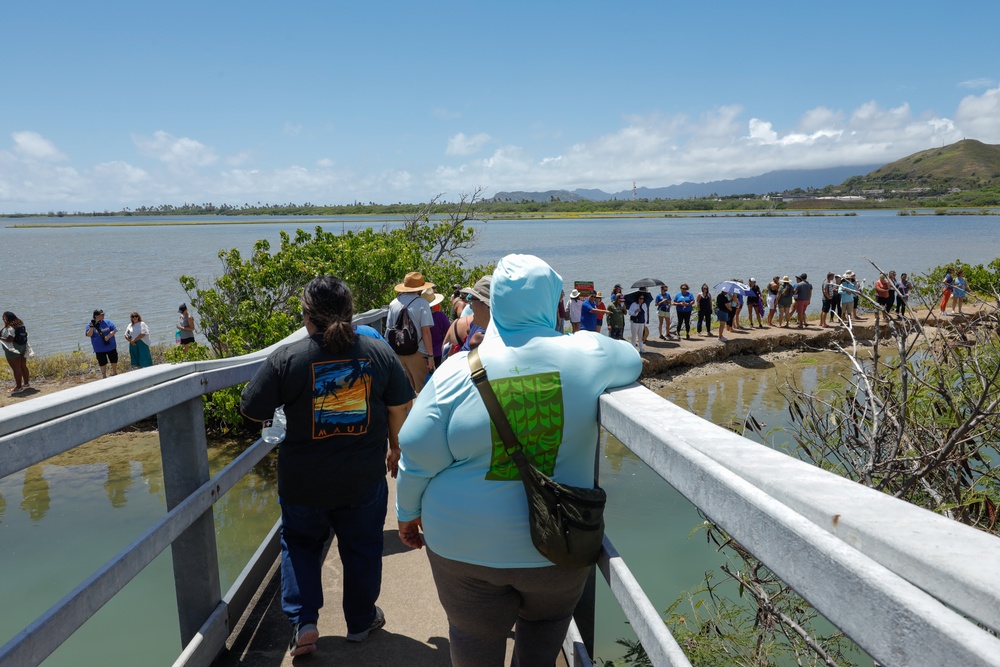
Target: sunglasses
(469, 298)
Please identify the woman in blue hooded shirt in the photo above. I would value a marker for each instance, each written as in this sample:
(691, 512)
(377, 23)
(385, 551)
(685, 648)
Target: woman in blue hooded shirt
(458, 486)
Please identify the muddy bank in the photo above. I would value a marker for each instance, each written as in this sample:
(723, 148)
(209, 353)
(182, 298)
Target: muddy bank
(666, 358)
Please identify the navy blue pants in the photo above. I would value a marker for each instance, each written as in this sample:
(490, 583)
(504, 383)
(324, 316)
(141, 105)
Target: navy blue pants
(304, 531)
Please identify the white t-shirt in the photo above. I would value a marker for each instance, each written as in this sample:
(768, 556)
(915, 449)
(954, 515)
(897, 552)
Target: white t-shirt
(420, 313)
(575, 308)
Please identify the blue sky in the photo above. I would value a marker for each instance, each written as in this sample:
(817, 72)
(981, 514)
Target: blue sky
(114, 104)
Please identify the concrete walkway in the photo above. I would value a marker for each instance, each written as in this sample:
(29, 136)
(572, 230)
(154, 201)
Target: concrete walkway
(415, 633)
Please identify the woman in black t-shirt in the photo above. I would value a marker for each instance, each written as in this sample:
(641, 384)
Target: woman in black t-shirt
(722, 310)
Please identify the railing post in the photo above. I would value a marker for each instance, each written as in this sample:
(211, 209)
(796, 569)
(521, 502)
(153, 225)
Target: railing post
(184, 452)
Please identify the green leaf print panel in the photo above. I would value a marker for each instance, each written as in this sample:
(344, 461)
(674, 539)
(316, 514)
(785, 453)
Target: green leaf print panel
(534, 406)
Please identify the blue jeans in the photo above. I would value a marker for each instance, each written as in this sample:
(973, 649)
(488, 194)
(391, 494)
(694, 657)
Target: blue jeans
(304, 531)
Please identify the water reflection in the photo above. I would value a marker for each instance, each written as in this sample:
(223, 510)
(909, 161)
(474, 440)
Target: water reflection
(79, 509)
(754, 386)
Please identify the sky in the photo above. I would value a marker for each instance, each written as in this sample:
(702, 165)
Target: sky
(113, 105)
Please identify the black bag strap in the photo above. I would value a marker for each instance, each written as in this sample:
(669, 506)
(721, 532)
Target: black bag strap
(497, 415)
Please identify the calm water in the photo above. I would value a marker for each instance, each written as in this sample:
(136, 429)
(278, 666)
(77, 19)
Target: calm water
(63, 519)
(54, 277)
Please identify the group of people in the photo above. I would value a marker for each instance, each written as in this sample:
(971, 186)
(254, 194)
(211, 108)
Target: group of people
(781, 296)
(954, 287)
(361, 409)
(102, 331)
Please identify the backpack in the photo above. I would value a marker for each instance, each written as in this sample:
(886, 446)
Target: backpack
(20, 335)
(402, 336)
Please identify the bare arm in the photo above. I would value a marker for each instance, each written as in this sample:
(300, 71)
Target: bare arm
(396, 416)
(425, 333)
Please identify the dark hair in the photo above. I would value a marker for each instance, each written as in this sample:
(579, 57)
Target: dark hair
(12, 319)
(135, 314)
(329, 303)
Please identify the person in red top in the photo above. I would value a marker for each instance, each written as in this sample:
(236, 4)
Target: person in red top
(883, 288)
(600, 310)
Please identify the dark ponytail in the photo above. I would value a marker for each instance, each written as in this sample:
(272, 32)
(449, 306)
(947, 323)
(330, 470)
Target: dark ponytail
(330, 305)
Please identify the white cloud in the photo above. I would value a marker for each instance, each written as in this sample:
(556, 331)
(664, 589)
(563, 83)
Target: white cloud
(178, 152)
(462, 145)
(762, 131)
(979, 116)
(33, 146)
(291, 129)
(652, 149)
(978, 83)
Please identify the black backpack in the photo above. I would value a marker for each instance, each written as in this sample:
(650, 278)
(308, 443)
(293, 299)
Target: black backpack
(402, 336)
(20, 335)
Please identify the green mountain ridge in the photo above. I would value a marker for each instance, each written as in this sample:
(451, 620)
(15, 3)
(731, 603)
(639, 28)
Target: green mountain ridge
(965, 165)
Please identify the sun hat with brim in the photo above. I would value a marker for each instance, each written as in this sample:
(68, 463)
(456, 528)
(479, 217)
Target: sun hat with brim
(413, 282)
(785, 279)
(848, 274)
(481, 290)
(432, 297)
(575, 294)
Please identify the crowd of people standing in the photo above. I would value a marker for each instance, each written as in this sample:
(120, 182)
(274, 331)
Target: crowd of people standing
(103, 336)
(736, 305)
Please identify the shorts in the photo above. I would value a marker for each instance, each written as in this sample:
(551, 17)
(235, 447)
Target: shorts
(104, 357)
(722, 315)
(828, 305)
(772, 301)
(663, 314)
(187, 341)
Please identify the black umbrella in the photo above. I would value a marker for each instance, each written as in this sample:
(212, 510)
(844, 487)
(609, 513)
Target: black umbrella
(648, 282)
(631, 297)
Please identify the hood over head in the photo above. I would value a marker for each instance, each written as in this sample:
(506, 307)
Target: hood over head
(524, 295)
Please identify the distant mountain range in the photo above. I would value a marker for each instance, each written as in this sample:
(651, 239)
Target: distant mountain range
(772, 181)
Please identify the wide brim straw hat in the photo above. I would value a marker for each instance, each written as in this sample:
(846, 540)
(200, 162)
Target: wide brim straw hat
(785, 279)
(848, 274)
(432, 297)
(413, 282)
(575, 294)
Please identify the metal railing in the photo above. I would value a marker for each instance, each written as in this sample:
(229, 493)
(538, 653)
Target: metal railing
(37, 430)
(910, 587)
(907, 585)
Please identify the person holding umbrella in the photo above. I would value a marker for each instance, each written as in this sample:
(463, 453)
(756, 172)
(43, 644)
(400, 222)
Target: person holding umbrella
(722, 310)
(639, 315)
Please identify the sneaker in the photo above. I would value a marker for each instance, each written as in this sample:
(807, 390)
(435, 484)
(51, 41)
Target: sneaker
(723, 340)
(303, 639)
(379, 622)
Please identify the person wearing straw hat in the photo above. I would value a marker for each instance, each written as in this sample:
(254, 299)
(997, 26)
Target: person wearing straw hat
(575, 308)
(419, 364)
